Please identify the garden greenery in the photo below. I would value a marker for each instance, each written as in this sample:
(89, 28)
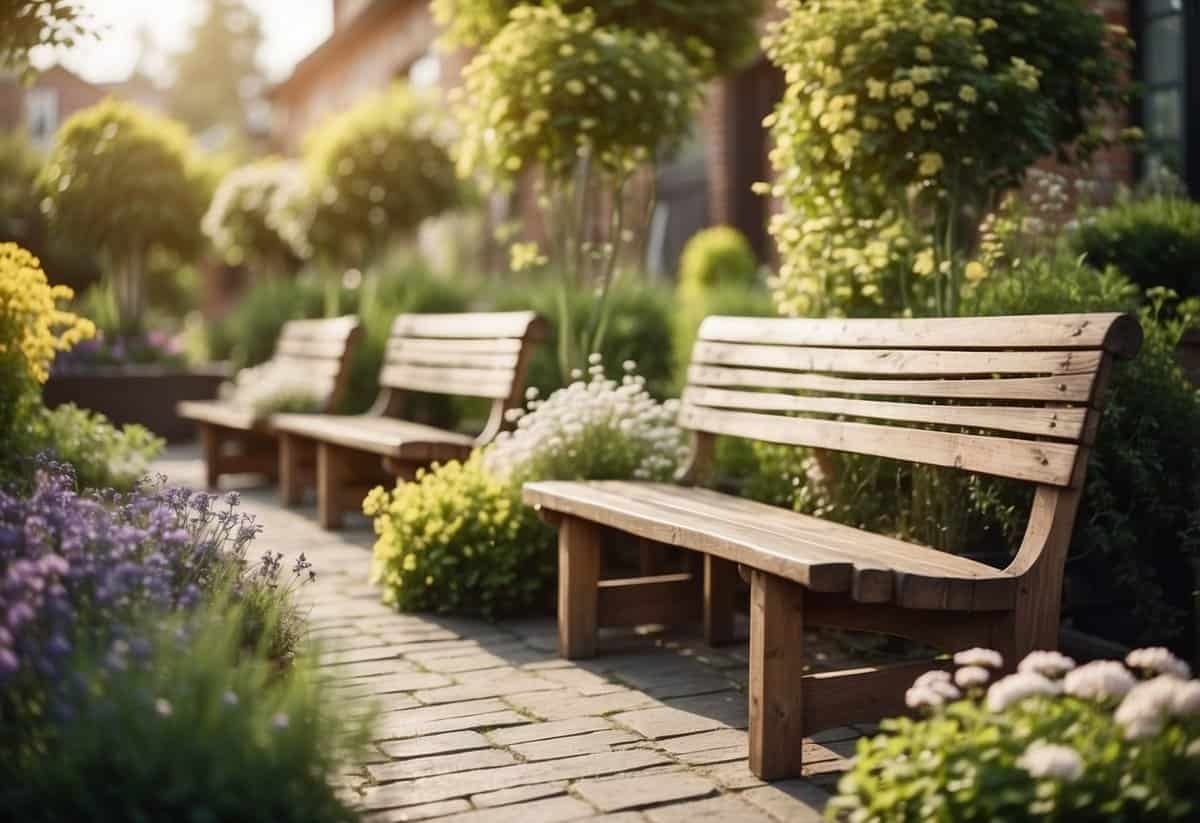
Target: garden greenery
(256, 217)
(102, 455)
(902, 124)
(588, 105)
(716, 35)
(125, 183)
(1154, 242)
(1054, 741)
(716, 257)
(28, 24)
(375, 172)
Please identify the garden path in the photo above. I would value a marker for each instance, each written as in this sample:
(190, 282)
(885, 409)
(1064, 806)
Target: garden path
(484, 723)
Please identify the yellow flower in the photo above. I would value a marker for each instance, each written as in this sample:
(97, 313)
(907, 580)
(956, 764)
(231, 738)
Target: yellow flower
(930, 164)
(967, 94)
(576, 87)
(31, 324)
(987, 24)
(923, 264)
(924, 54)
(922, 75)
(525, 256)
(920, 99)
(979, 61)
(871, 123)
(876, 89)
(902, 88)
(904, 118)
(974, 272)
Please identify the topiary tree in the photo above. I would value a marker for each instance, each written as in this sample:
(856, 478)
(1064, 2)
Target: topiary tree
(716, 257)
(903, 124)
(589, 105)
(256, 217)
(125, 183)
(717, 35)
(375, 173)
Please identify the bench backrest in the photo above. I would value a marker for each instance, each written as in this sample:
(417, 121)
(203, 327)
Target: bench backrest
(1014, 397)
(481, 354)
(320, 351)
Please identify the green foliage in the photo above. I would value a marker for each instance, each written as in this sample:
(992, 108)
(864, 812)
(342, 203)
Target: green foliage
(717, 257)
(104, 456)
(691, 308)
(550, 85)
(27, 24)
(21, 219)
(196, 730)
(902, 123)
(1154, 242)
(458, 540)
(255, 322)
(717, 35)
(255, 217)
(125, 183)
(375, 173)
(1028, 753)
(217, 75)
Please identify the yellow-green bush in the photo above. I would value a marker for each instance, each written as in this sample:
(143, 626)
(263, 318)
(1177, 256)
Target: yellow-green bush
(458, 540)
(715, 257)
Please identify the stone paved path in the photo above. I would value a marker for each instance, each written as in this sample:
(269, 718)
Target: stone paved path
(484, 723)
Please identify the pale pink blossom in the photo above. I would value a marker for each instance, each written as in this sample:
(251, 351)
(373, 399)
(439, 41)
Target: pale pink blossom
(987, 658)
(1011, 690)
(1186, 702)
(1047, 760)
(969, 677)
(1158, 660)
(1048, 664)
(1099, 680)
(1145, 708)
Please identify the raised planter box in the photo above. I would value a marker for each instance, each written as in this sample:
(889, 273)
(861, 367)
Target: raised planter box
(138, 394)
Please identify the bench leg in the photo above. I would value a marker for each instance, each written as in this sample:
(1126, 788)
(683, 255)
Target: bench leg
(210, 446)
(331, 472)
(776, 707)
(578, 579)
(291, 472)
(720, 580)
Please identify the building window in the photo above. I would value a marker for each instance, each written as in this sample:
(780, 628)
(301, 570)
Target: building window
(41, 114)
(1168, 70)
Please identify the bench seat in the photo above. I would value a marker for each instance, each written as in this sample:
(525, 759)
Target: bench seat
(821, 555)
(216, 413)
(385, 436)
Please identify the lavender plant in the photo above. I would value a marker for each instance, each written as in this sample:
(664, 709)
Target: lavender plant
(1052, 741)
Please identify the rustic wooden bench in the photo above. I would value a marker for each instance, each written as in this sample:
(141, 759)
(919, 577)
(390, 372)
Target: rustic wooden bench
(1012, 397)
(237, 440)
(469, 355)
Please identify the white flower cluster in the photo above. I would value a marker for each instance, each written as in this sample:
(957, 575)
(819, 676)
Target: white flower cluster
(1011, 690)
(1099, 680)
(598, 429)
(267, 389)
(266, 195)
(1048, 760)
(931, 690)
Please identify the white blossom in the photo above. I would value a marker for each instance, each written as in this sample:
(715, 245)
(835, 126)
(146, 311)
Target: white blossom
(1048, 760)
(1186, 702)
(979, 657)
(1011, 690)
(1099, 680)
(969, 677)
(1146, 707)
(922, 697)
(1049, 664)
(1193, 749)
(1158, 660)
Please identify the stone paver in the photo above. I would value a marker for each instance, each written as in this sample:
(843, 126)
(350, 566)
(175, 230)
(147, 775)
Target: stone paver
(484, 723)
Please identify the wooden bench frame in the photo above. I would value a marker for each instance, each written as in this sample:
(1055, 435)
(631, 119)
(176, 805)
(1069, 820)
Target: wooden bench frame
(804, 571)
(482, 355)
(238, 441)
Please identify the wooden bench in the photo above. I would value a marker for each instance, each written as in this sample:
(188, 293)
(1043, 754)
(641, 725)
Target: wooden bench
(469, 355)
(1013, 397)
(237, 440)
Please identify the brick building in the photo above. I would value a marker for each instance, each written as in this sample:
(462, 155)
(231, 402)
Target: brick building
(377, 41)
(40, 107)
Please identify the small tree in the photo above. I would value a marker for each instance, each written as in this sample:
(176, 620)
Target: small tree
(903, 124)
(589, 105)
(717, 35)
(256, 217)
(125, 183)
(376, 172)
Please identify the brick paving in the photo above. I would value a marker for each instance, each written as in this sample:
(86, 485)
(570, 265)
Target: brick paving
(483, 723)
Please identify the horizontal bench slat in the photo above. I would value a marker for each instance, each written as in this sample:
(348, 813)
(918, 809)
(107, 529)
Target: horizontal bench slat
(377, 435)
(1113, 332)
(499, 345)
(896, 362)
(496, 385)
(1064, 423)
(1037, 462)
(1071, 388)
(467, 325)
(400, 355)
(334, 328)
(326, 349)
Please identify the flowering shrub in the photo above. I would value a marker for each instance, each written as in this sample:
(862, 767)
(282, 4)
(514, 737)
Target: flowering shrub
(184, 725)
(457, 539)
(717, 35)
(33, 329)
(375, 173)
(101, 455)
(77, 570)
(149, 348)
(1053, 741)
(598, 430)
(904, 120)
(125, 183)
(256, 216)
(271, 389)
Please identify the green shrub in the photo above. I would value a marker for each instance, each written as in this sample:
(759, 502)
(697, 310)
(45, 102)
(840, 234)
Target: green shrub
(196, 730)
(458, 540)
(1154, 242)
(1095, 744)
(256, 321)
(103, 456)
(714, 258)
